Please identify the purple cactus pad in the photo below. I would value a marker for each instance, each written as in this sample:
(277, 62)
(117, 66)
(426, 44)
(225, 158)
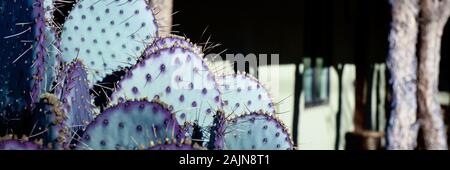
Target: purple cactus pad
(131, 125)
(18, 145)
(193, 95)
(257, 131)
(243, 94)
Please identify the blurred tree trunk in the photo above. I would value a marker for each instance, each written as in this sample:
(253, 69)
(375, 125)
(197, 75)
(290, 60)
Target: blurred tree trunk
(402, 63)
(434, 16)
(163, 10)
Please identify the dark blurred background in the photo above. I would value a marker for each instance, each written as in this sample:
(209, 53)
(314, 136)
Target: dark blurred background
(341, 31)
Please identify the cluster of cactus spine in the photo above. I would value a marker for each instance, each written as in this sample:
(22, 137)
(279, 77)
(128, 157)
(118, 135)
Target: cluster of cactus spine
(49, 123)
(167, 99)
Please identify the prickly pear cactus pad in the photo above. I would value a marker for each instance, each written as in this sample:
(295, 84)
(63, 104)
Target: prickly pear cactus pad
(242, 93)
(22, 43)
(257, 131)
(131, 125)
(177, 76)
(46, 63)
(107, 34)
(52, 43)
(76, 99)
(52, 59)
(18, 145)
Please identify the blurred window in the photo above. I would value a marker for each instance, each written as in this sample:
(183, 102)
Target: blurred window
(316, 82)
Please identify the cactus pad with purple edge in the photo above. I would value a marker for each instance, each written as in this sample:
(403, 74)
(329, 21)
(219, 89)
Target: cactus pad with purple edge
(242, 93)
(76, 99)
(18, 145)
(22, 43)
(46, 63)
(129, 126)
(182, 145)
(177, 76)
(173, 40)
(257, 131)
(107, 34)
